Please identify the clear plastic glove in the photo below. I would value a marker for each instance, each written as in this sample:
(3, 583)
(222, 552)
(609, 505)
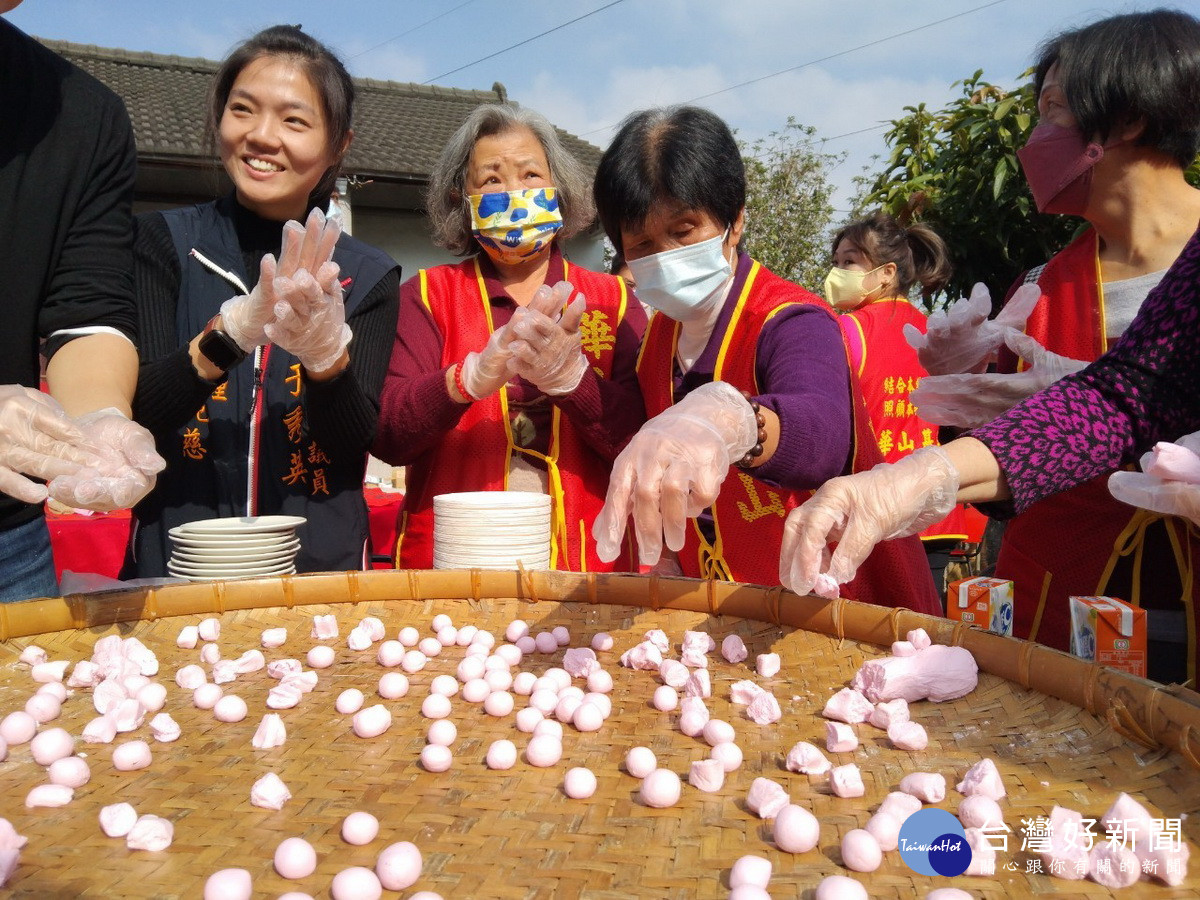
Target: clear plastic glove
(38, 439)
(310, 318)
(126, 465)
(546, 350)
(305, 248)
(486, 371)
(966, 401)
(858, 511)
(963, 338)
(672, 470)
(1169, 482)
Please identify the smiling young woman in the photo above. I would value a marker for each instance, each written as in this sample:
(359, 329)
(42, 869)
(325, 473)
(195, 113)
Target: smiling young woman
(250, 426)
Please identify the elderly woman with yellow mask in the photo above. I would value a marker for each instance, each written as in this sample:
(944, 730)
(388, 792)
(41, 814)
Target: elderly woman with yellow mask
(513, 369)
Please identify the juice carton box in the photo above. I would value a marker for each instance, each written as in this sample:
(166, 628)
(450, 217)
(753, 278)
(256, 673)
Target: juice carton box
(1110, 632)
(986, 602)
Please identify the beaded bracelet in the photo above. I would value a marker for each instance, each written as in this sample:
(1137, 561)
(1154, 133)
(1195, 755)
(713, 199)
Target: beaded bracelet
(760, 420)
(458, 383)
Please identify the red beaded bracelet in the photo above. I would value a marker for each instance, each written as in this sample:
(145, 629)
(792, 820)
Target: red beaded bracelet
(458, 383)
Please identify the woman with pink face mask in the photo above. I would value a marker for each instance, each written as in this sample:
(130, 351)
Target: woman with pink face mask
(1119, 104)
(514, 369)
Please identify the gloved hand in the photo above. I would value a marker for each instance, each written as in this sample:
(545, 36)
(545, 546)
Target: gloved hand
(126, 465)
(966, 401)
(37, 438)
(963, 338)
(486, 371)
(672, 470)
(858, 511)
(546, 350)
(1169, 482)
(310, 317)
(305, 247)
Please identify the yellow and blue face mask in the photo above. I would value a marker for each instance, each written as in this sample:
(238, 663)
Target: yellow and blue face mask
(515, 226)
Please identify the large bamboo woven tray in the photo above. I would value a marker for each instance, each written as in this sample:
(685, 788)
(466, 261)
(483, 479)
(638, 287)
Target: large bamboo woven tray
(515, 834)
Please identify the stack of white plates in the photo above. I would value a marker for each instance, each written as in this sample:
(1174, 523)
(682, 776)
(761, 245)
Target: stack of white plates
(216, 549)
(491, 530)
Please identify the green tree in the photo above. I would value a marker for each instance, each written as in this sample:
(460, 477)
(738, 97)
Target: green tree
(788, 207)
(956, 169)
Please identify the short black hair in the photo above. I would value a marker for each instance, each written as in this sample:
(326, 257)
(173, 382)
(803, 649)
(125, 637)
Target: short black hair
(683, 154)
(1141, 67)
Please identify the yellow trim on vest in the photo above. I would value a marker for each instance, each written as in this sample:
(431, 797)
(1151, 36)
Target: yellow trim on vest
(582, 546)
(400, 540)
(423, 278)
(1103, 307)
(719, 368)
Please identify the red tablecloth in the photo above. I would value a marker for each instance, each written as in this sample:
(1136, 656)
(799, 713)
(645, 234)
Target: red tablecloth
(96, 543)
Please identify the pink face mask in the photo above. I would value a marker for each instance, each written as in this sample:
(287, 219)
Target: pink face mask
(1058, 163)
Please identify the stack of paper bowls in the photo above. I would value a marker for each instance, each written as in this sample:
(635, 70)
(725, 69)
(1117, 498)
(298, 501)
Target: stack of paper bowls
(248, 546)
(491, 530)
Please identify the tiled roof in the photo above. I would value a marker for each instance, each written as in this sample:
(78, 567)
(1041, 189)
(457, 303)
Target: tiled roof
(399, 128)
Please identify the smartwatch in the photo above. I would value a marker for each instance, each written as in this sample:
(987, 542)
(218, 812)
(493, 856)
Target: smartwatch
(219, 348)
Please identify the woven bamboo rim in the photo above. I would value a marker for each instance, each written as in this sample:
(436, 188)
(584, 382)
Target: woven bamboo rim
(487, 834)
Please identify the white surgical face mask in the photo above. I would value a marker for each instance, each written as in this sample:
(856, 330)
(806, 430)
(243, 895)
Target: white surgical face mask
(685, 282)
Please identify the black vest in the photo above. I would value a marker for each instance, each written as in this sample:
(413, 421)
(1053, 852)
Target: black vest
(236, 455)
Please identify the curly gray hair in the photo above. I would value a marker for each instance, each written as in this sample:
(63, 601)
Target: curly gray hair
(446, 197)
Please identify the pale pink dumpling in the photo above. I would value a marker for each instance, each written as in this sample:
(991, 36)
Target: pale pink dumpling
(443, 732)
(640, 762)
(190, 677)
(46, 672)
(561, 634)
(767, 665)
(498, 704)
(860, 851)
(43, 707)
(435, 706)
(848, 705)
(230, 708)
(131, 756)
(349, 701)
(526, 644)
(71, 771)
(528, 719)
(665, 698)
(928, 787)
(840, 738)
(359, 828)
(980, 811)
(271, 732)
(431, 647)
(661, 788)
(729, 755)
(550, 727)
(846, 781)
(164, 729)
(49, 795)
(840, 887)
(295, 858)
(754, 871)
(602, 641)
(273, 637)
(18, 728)
(501, 755)
(545, 642)
(579, 783)
(356, 883)
(55, 689)
(733, 648)
(152, 696)
(207, 695)
(414, 661)
(152, 833)
(707, 775)
(516, 630)
(511, 654)
(390, 654)
(210, 654)
(399, 866)
(600, 682)
(984, 779)
(764, 709)
(116, 820)
(477, 690)
(543, 750)
(807, 759)
(372, 721)
(209, 629)
(796, 830)
(321, 656)
(766, 798)
(900, 805)
(51, 744)
(718, 731)
(908, 736)
(229, 884)
(885, 828)
(409, 636)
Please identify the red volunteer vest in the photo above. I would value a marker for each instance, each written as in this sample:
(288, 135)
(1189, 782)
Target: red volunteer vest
(888, 373)
(475, 455)
(749, 515)
(1083, 541)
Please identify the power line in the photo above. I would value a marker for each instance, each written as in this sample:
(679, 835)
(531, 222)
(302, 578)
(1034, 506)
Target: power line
(528, 40)
(411, 30)
(813, 62)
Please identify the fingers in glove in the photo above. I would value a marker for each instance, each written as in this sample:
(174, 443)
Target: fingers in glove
(290, 253)
(915, 337)
(573, 315)
(609, 526)
(647, 515)
(675, 503)
(1016, 311)
(18, 486)
(310, 247)
(1024, 346)
(804, 552)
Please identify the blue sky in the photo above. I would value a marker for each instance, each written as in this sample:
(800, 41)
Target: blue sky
(628, 54)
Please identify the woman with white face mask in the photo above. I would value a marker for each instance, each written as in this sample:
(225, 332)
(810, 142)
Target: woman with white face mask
(745, 374)
(876, 263)
(514, 369)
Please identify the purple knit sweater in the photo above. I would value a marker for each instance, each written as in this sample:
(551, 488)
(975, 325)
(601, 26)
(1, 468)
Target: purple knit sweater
(1145, 389)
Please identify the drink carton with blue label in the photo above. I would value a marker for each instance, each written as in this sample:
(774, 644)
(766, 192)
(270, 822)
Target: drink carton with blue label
(982, 601)
(1110, 632)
